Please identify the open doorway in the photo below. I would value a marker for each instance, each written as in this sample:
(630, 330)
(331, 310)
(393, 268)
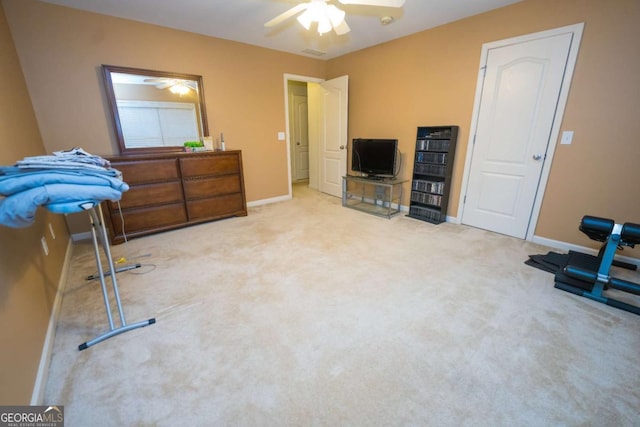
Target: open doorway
(298, 103)
(316, 147)
(300, 130)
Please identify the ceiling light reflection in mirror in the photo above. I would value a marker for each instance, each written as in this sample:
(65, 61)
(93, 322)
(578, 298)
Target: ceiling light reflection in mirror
(153, 110)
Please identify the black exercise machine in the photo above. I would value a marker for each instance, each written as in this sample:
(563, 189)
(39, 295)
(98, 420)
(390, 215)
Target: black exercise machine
(593, 284)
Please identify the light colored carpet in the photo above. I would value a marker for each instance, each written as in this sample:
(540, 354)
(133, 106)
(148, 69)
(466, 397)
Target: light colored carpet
(305, 313)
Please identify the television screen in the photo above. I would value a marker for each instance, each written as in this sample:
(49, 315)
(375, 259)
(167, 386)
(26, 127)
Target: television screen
(374, 157)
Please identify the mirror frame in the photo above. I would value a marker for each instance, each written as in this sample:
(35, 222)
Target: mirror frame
(111, 98)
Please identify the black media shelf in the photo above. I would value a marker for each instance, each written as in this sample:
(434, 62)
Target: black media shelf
(432, 170)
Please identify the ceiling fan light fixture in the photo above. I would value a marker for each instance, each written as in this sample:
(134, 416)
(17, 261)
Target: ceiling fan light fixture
(305, 19)
(179, 89)
(336, 16)
(324, 25)
(326, 16)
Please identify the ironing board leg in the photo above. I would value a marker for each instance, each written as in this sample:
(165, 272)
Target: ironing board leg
(102, 236)
(115, 332)
(99, 232)
(103, 285)
(118, 270)
(105, 239)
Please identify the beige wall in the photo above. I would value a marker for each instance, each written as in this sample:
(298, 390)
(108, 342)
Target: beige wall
(424, 79)
(430, 78)
(28, 278)
(61, 50)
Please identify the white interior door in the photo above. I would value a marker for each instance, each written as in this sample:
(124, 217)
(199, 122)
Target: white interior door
(519, 102)
(332, 132)
(300, 137)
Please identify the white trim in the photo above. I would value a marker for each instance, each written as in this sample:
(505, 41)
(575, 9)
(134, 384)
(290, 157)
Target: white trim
(472, 132)
(47, 348)
(87, 235)
(77, 237)
(576, 29)
(269, 201)
(557, 122)
(556, 244)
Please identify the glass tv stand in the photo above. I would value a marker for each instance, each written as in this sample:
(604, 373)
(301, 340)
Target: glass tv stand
(375, 196)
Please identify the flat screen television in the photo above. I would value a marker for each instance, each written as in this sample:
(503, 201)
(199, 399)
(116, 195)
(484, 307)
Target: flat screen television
(375, 158)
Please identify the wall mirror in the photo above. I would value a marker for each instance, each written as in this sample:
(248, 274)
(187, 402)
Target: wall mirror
(155, 111)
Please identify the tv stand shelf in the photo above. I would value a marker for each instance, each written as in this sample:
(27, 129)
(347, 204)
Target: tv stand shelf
(381, 197)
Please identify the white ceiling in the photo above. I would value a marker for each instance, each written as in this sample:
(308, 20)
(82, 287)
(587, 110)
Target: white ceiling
(243, 20)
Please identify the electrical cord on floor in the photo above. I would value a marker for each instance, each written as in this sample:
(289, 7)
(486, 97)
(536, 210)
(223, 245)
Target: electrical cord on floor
(124, 234)
(124, 259)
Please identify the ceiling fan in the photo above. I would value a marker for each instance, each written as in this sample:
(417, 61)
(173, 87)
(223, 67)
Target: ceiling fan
(177, 86)
(328, 16)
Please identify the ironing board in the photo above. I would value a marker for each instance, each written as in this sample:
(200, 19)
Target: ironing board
(99, 238)
(68, 182)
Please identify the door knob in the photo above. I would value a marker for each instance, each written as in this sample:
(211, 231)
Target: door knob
(297, 143)
(537, 156)
(342, 147)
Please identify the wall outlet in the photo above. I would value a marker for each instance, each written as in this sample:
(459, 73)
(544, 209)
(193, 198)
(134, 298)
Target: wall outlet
(53, 234)
(281, 136)
(45, 248)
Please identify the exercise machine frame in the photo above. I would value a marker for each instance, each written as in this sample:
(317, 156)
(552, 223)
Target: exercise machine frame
(615, 236)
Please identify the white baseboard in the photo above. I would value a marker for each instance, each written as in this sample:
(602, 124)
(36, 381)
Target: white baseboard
(556, 244)
(566, 247)
(47, 348)
(269, 201)
(78, 237)
(81, 236)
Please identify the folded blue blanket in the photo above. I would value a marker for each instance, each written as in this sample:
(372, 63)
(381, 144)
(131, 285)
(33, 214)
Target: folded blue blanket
(76, 157)
(72, 207)
(18, 210)
(10, 170)
(16, 181)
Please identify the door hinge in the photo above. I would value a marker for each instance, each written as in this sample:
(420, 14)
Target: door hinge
(474, 139)
(464, 200)
(484, 70)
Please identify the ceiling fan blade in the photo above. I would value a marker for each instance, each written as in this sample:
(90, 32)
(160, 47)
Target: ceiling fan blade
(384, 3)
(286, 15)
(341, 29)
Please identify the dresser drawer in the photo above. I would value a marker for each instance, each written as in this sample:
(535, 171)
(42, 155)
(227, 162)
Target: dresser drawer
(215, 206)
(207, 187)
(150, 218)
(149, 195)
(172, 190)
(209, 165)
(140, 172)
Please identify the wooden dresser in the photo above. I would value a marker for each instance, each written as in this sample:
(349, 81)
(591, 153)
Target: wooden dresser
(173, 190)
